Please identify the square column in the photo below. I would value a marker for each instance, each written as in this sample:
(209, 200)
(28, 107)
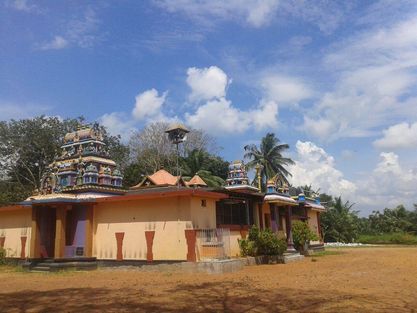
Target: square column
(274, 224)
(34, 235)
(60, 223)
(288, 226)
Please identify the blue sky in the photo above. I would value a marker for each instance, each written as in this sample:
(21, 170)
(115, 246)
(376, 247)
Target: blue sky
(334, 79)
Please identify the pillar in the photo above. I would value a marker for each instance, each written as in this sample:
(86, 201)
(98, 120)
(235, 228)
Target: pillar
(191, 237)
(261, 217)
(23, 247)
(247, 212)
(34, 235)
(119, 239)
(319, 227)
(288, 224)
(2, 240)
(88, 249)
(59, 250)
(274, 225)
(149, 235)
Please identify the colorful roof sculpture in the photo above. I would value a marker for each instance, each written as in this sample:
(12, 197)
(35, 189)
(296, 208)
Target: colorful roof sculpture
(237, 178)
(83, 165)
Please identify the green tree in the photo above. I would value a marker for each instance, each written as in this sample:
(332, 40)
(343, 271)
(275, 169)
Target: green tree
(302, 234)
(270, 155)
(340, 223)
(200, 162)
(394, 220)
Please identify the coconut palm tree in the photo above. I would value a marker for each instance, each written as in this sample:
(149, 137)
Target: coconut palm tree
(196, 163)
(269, 155)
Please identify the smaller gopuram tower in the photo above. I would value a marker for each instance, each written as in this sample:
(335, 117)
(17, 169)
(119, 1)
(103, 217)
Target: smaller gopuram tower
(83, 165)
(237, 178)
(237, 174)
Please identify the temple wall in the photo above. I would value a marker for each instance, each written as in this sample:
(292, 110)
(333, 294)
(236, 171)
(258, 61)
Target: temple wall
(234, 243)
(15, 224)
(313, 223)
(168, 217)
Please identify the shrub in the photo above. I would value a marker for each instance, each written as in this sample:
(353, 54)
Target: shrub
(2, 256)
(302, 234)
(269, 244)
(247, 247)
(263, 242)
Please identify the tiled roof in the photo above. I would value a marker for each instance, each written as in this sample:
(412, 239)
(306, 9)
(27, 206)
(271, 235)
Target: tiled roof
(196, 181)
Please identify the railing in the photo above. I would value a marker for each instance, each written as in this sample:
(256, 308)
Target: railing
(213, 243)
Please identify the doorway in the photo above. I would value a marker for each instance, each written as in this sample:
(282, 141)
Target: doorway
(46, 220)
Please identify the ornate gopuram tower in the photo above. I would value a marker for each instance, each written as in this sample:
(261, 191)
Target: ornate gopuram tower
(63, 210)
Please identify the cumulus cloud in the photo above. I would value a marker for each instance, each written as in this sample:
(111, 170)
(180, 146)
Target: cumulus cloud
(149, 105)
(313, 165)
(206, 83)
(232, 119)
(118, 124)
(401, 135)
(374, 77)
(285, 89)
(388, 185)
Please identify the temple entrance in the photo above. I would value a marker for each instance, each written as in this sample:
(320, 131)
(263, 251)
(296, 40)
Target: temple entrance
(46, 220)
(75, 232)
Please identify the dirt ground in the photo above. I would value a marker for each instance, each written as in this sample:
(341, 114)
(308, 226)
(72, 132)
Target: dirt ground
(356, 280)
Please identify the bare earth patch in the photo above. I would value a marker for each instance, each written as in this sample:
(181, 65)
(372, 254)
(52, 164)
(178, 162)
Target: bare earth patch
(358, 280)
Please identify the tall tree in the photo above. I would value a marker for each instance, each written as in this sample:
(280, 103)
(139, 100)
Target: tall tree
(340, 223)
(270, 156)
(151, 149)
(199, 162)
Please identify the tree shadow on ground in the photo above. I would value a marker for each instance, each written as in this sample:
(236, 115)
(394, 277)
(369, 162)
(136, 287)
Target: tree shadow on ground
(202, 297)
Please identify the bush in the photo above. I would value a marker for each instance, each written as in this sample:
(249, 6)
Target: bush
(389, 238)
(302, 234)
(2, 256)
(269, 244)
(263, 242)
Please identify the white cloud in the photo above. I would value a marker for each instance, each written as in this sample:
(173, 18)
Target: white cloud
(255, 13)
(55, 44)
(206, 83)
(81, 32)
(285, 89)
(148, 105)
(220, 117)
(22, 5)
(9, 110)
(118, 123)
(313, 165)
(401, 135)
(374, 75)
(389, 184)
(327, 16)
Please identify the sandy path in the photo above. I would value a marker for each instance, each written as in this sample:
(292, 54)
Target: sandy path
(359, 280)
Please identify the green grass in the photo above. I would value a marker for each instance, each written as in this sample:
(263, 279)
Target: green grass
(327, 252)
(391, 238)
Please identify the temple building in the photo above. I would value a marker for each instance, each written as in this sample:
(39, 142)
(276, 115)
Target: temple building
(83, 212)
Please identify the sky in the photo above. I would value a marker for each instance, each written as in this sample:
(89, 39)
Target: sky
(336, 80)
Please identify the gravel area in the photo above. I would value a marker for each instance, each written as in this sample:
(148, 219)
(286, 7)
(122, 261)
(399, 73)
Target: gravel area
(377, 279)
